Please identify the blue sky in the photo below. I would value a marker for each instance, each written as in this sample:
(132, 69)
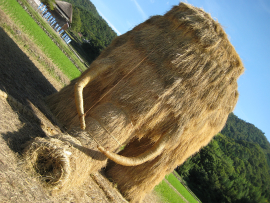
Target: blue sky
(247, 23)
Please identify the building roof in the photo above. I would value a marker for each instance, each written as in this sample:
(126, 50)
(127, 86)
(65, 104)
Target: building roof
(66, 8)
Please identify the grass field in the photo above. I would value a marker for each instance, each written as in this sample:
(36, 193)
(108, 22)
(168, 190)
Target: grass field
(29, 26)
(180, 188)
(167, 194)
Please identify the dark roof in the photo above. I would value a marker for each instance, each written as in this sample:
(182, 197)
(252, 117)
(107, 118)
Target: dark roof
(66, 8)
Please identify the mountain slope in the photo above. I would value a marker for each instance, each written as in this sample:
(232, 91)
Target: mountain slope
(93, 25)
(241, 130)
(233, 167)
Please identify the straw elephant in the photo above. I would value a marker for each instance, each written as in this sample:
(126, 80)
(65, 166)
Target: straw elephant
(163, 90)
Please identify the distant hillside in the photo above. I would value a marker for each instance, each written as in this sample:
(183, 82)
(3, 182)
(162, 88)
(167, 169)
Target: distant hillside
(233, 167)
(87, 5)
(89, 31)
(93, 26)
(241, 130)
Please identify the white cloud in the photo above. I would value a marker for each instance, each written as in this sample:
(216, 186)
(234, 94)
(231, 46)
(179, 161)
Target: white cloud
(140, 10)
(110, 24)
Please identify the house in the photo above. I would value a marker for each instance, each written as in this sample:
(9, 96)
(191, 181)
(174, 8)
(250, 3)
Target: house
(63, 14)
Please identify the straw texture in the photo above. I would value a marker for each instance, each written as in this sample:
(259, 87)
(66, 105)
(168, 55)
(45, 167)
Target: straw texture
(183, 86)
(58, 161)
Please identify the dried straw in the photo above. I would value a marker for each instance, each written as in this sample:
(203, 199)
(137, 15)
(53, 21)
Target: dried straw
(184, 87)
(64, 161)
(59, 161)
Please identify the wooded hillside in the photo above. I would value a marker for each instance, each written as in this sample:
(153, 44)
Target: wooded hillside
(241, 130)
(233, 167)
(89, 31)
(92, 25)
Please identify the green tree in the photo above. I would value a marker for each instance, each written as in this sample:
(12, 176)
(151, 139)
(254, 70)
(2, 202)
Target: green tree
(50, 3)
(228, 170)
(76, 20)
(93, 48)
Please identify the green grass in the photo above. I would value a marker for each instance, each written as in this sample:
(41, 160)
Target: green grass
(30, 27)
(56, 37)
(180, 188)
(167, 194)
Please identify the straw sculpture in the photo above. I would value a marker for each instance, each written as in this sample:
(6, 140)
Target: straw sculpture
(163, 89)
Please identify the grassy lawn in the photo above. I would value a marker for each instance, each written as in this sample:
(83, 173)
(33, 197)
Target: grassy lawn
(29, 26)
(167, 194)
(180, 188)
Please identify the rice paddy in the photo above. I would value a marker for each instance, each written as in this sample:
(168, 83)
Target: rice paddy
(30, 27)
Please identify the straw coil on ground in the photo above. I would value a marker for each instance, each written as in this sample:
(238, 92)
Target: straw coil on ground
(59, 161)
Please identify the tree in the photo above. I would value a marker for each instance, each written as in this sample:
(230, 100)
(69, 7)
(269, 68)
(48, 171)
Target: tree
(76, 20)
(93, 48)
(228, 170)
(49, 3)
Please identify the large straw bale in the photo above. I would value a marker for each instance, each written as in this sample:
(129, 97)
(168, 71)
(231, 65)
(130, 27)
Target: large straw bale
(173, 76)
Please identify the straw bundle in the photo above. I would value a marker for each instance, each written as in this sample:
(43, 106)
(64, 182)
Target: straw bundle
(59, 161)
(174, 80)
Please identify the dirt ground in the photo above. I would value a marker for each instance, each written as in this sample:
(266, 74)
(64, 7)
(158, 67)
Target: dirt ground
(24, 83)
